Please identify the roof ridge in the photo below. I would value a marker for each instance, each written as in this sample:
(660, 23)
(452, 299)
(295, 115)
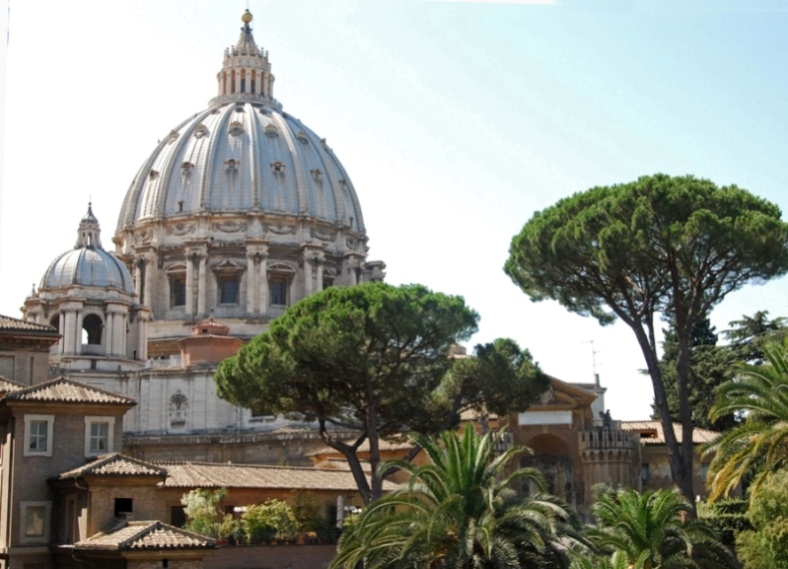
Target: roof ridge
(60, 380)
(233, 464)
(110, 458)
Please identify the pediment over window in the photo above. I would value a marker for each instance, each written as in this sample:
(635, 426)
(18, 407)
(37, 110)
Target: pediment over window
(228, 267)
(280, 267)
(176, 269)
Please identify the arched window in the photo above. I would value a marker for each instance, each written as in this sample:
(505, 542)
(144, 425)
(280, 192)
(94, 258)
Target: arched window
(55, 322)
(91, 329)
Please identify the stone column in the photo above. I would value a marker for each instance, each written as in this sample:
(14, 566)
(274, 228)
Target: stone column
(147, 265)
(262, 280)
(69, 329)
(138, 276)
(108, 338)
(252, 282)
(61, 327)
(78, 331)
(116, 335)
(320, 258)
(142, 318)
(189, 308)
(201, 283)
(307, 273)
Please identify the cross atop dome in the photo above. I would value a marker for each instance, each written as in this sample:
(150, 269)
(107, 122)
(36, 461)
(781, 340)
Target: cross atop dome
(246, 44)
(246, 72)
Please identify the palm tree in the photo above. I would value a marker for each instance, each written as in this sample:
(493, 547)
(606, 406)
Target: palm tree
(460, 511)
(759, 445)
(652, 530)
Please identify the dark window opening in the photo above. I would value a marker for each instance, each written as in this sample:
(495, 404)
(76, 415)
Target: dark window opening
(124, 506)
(644, 472)
(92, 326)
(177, 516)
(177, 292)
(278, 291)
(243, 85)
(228, 290)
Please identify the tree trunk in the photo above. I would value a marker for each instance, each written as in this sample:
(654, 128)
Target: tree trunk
(685, 414)
(681, 477)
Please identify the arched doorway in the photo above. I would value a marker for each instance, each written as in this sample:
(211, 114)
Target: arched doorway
(552, 457)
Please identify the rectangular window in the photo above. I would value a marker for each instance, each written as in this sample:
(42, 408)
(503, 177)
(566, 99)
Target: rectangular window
(35, 522)
(644, 472)
(177, 292)
(99, 435)
(38, 435)
(704, 471)
(228, 291)
(37, 441)
(278, 292)
(124, 506)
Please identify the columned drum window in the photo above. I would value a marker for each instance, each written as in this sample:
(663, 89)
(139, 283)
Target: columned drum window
(176, 278)
(280, 276)
(228, 290)
(177, 291)
(228, 282)
(277, 290)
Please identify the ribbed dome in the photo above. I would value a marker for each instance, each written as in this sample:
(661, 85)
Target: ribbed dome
(242, 156)
(88, 264)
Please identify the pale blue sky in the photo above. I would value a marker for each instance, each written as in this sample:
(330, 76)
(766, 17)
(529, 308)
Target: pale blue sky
(455, 120)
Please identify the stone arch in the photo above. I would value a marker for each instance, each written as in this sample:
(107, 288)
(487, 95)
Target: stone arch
(553, 458)
(92, 328)
(548, 444)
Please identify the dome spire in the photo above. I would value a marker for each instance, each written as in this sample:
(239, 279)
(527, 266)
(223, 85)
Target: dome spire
(89, 232)
(246, 72)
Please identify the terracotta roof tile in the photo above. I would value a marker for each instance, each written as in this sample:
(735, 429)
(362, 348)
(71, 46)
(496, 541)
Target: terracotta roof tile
(401, 443)
(62, 390)
(115, 465)
(136, 535)
(8, 324)
(651, 432)
(218, 475)
(8, 385)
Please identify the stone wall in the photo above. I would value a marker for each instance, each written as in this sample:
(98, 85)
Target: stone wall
(271, 557)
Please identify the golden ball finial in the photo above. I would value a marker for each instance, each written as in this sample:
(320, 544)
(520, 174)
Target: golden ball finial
(247, 17)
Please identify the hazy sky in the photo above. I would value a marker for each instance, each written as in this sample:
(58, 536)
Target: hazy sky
(456, 121)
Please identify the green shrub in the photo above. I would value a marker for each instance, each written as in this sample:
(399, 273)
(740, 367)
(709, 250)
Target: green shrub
(203, 510)
(272, 519)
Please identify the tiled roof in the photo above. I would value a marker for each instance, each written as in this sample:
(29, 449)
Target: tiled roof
(7, 385)
(62, 390)
(218, 475)
(651, 432)
(385, 445)
(150, 535)
(8, 324)
(115, 465)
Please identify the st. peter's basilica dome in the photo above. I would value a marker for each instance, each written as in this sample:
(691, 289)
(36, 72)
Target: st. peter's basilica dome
(239, 212)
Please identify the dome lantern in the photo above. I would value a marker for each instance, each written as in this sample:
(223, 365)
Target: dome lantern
(89, 232)
(246, 72)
